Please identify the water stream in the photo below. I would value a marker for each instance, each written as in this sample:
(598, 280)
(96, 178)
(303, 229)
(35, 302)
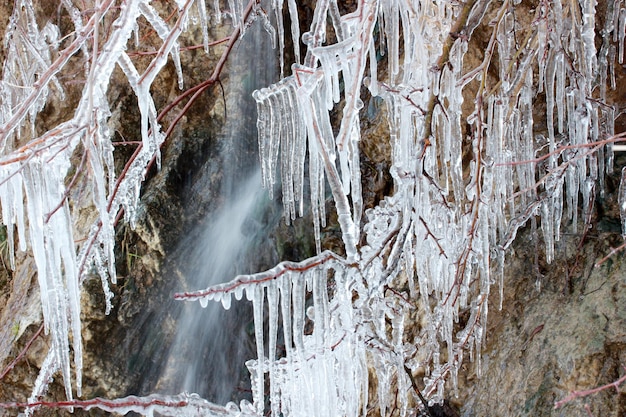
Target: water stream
(209, 347)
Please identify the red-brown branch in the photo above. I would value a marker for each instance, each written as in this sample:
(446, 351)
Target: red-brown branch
(68, 188)
(429, 233)
(269, 275)
(621, 137)
(459, 346)
(185, 48)
(401, 296)
(22, 353)
(29, 150)
(613, 252)
(45, 78)
(577, 394)
(132, 403)
(96, 402)
(168, 44)
(196, 91)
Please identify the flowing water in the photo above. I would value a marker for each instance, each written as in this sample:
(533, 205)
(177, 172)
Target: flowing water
(211, 344)
(209, 347)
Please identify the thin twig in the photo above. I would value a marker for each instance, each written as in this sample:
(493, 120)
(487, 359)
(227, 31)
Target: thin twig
(578, 394)
(68, 188)
(621, 137)
(269, 275)
(428, 232)
(613, 252)
(417, 391)
(185, 48)
(46, 77)
(22, 353)
(457, 27)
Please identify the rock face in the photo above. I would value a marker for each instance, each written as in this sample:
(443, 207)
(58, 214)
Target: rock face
(562, 326)
(561, 329)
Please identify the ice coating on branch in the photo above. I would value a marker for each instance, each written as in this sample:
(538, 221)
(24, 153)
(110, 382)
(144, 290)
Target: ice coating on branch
(321, 372)
(35, 176)
(28, 54)
(447, 226)
(185, 404)
(295, 29)
(316, 91)
(164, 31)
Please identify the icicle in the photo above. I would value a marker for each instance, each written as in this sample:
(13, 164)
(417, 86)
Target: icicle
(164, 32)
(622, 201)
(284, 287)
(281, 131)
(204, 24)
(272, 305)
(442, 229)
(295, 29)
(236, 14)
(258, 389)
(225, 300)
(218, 11)
(621, 34)
(48, 367)
(277, 5)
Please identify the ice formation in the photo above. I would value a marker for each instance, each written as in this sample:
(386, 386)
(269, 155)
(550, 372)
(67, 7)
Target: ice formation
(161, 405)
(34, 167)
(471, 164)
(445, 230)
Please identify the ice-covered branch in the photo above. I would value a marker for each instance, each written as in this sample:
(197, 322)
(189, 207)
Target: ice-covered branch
(323, 371)
(471, 179)
(33, 166)
(14, 119)
(173, 405)
(246, 283)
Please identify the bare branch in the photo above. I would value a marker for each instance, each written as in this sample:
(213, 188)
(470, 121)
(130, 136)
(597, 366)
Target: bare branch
(578, 394)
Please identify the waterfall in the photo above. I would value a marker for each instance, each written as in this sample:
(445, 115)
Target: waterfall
(187, 348)
(205, 355)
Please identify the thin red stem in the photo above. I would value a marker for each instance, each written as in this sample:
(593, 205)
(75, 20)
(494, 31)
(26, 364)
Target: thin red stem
(577, 394)
(22, 353)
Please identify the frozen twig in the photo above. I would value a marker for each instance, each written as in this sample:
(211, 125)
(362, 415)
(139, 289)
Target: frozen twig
(417, 391)
(44, 79)
(620, 137)
(269, 275)
(444, 60)
(172, 405)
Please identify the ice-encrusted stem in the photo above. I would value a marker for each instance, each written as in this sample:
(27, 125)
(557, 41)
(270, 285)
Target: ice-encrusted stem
(367, 12)
(239, 283)
(44, 79)
(349, 231)
(165, 405)
(456, 31)
(39, 166)
(324, 371)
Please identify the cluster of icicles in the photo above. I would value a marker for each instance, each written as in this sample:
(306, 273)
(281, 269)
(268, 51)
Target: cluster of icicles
(437, 245)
